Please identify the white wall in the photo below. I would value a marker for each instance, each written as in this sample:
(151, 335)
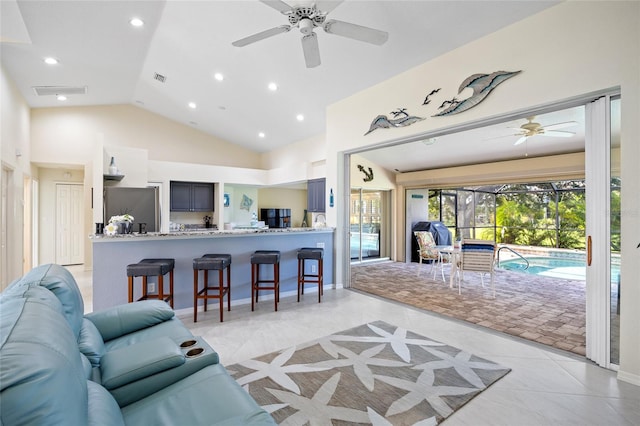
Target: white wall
(66, 135)
(566, 51)
(14, 138)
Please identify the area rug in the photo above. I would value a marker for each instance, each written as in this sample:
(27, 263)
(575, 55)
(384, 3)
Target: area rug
(375, 373)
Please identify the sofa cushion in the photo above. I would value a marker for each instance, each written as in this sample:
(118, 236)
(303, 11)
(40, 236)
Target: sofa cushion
(208, 397)
(61, 283)
(90, 342)
(124, 319)
(42, 379)
(125, 365)
(173, 329)
(103, 409)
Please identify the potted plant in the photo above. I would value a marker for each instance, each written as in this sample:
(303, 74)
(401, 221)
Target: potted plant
(123, 222)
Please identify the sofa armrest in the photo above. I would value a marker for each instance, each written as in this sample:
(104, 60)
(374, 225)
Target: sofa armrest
(124, 319)
(138, 361)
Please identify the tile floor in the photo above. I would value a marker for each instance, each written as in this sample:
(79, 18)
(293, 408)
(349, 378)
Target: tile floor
(545, 387)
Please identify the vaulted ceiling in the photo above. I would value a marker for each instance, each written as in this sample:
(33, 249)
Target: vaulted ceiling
(188, 42)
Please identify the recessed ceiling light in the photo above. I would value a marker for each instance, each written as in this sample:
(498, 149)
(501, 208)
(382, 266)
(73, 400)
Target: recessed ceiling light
(50, 61)
(300, 117)
(62, 97)
(136, 22)
(192, 105)
(273, 87)
(261, 135)
(218, 76)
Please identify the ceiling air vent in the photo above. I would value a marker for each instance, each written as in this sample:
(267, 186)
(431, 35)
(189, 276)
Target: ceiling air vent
(161, 78)
(59, 90)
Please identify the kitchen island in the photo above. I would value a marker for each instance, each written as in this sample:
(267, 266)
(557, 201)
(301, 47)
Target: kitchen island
(111, 255)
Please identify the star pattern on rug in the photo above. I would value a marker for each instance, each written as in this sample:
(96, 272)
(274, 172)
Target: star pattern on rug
(315, 410)
(360, 363)
(277, 371)
(375, 373)
(462, 363)
(421, 390)
(398, 340)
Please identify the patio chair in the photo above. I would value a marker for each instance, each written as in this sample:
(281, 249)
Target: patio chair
(427, 251)
(476, 256)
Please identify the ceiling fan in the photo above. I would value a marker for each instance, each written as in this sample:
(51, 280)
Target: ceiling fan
(306, 19)
(531, 128)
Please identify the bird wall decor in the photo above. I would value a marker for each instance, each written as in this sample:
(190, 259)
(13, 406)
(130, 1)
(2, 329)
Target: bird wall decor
(481, 84)
(401, 118)
(368, 175)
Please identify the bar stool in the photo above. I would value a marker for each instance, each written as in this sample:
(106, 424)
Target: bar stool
(265, 257)
(310, 253)
(206, 263)
(150, 267)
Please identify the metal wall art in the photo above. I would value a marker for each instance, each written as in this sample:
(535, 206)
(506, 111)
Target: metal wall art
(480, 84)
(400, 119)
(368, 175)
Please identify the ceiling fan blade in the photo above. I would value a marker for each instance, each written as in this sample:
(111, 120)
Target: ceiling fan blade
(278, 5)
(519, 141)
(356, 32)
(261, 35)
(560, 125)
(558, 133)
(311, 50)
(326, 6)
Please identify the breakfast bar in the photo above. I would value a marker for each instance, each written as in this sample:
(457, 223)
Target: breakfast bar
(112, 254)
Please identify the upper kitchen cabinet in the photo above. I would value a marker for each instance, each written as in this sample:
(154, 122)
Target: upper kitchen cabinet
(191, 197)
(316, 195)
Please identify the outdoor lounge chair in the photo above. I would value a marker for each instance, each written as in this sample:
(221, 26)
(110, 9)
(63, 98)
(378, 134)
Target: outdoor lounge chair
(427, 251)
(477, 256)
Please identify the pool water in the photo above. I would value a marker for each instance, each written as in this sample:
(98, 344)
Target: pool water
(571, 269)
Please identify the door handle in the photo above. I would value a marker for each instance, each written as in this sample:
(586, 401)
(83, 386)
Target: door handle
(589, 250)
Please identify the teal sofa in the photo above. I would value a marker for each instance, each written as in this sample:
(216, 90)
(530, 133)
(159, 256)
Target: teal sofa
(133, 364)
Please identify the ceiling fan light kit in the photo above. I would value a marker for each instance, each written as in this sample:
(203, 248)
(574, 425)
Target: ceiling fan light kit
(306, 19)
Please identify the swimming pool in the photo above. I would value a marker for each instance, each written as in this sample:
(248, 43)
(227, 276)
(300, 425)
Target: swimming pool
(566, 268)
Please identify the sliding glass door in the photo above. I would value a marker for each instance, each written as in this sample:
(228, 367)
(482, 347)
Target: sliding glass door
(368, 227)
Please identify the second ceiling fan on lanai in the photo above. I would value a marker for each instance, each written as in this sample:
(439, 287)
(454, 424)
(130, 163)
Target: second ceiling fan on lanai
(306, 19)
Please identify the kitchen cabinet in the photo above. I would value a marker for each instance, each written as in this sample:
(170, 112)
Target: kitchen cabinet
(191, 197)
(316, 195)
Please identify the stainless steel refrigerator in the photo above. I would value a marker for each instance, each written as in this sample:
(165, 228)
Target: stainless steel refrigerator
(141, 203)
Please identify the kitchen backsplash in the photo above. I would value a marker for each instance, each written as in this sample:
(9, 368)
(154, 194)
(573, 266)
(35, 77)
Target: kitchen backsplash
(189, 218)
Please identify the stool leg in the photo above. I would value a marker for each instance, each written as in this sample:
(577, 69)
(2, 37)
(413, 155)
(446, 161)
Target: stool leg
(161, 287)
(299, 278)
(276, 284)
(303, 273)
(320, 280)
(221, 291)
(144, 286)
(171, 288)
(130, 289)
(253, 281)
(195, 295)
(206, 288)
(229, 287)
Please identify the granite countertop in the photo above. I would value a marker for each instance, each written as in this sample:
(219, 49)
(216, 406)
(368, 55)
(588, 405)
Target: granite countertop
(204, 233)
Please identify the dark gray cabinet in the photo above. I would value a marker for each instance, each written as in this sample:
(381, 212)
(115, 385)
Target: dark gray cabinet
(316, 195)
(191, 197)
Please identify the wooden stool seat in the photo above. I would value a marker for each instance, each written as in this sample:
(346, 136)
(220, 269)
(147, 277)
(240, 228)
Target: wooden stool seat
(148, 268)
(310, 253)
(206, 263)
(265, 257)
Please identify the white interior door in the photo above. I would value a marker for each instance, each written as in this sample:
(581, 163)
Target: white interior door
(69, 224)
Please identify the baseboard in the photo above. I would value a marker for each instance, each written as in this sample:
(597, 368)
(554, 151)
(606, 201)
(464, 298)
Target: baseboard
(634, 379)
(213, 305)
